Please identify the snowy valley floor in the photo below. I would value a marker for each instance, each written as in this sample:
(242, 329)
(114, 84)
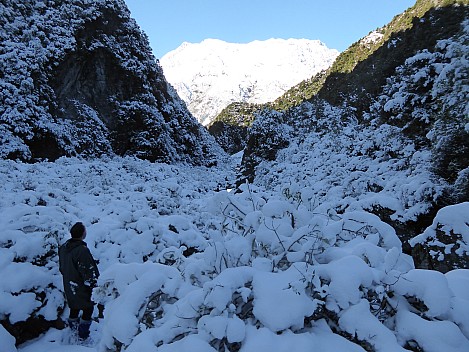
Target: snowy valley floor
(187, 265)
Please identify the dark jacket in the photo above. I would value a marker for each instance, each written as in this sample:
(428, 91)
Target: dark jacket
(79, 271)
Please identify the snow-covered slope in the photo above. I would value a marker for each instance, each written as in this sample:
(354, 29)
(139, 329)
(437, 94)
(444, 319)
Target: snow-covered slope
(212, 74)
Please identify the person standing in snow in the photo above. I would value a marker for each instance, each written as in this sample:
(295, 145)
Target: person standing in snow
(80, 273)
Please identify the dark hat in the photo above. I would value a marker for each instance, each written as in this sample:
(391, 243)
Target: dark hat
(77, 230)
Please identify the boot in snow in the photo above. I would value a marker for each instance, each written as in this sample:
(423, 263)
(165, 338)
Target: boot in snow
(73, 324)
(71, 337)
(84, 329)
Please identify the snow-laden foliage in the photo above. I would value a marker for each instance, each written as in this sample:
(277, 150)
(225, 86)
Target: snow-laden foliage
(185, 265)
(427, 99)
(429, 82)
(444, 244)
(354, 169)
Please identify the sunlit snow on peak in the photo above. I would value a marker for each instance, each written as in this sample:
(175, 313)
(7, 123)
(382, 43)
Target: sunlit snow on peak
(212, 74)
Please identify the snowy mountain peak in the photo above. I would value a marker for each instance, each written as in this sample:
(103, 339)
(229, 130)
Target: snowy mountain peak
(212, 74)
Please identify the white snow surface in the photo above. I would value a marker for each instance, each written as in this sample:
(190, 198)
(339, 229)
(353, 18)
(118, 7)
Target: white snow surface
(372, 38)
(210, 75)
(267, 265)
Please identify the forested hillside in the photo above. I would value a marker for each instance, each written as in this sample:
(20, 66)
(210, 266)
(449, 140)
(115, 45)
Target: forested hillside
(78, 79)
(356, 79)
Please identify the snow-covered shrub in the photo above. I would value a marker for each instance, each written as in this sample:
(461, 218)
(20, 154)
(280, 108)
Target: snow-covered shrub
(121, 203)
(267, 135)
(356, 284)
(355, 168)
(187, 266)
(330, 268)
(444, 246)
(32, 228)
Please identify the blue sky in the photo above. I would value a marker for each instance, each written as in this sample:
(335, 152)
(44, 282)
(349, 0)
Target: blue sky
(337, 23)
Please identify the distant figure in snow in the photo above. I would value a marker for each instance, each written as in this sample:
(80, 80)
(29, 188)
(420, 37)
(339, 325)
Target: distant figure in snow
(80, 273)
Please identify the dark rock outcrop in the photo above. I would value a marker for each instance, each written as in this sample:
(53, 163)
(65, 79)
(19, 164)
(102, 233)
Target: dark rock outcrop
(79, 78)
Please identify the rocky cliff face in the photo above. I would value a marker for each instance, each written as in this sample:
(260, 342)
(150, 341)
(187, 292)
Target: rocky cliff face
(78, 78)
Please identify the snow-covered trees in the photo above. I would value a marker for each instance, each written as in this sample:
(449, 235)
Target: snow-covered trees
(427, 99)
(70, 70)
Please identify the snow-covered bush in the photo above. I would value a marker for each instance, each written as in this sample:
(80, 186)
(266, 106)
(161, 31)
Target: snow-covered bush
(346, 273)
(444, 245)
(185, 266)
(122, 206)
(427, 99)
(267, 135)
